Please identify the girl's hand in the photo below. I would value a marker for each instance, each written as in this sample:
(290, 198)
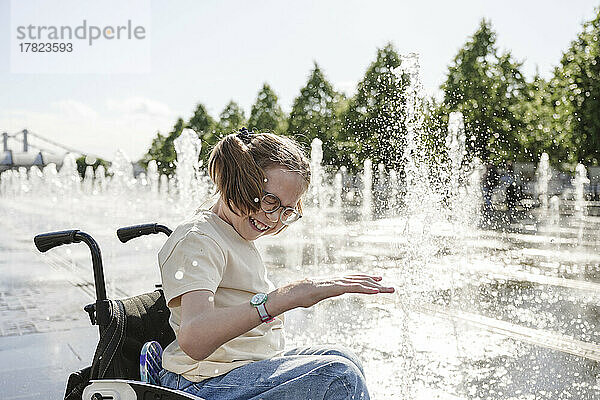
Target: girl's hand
(309, 292)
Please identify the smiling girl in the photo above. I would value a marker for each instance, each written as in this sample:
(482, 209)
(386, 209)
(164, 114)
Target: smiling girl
(227, 315)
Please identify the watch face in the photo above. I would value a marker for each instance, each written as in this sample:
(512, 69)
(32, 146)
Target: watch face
(258, 299)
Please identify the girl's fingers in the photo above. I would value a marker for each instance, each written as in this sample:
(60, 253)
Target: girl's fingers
(376, 277)
(369, 281)
(355, 287)
(365, 287)
(365, 278)
(365, 284)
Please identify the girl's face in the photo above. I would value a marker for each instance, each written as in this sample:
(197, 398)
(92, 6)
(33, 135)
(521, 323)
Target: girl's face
(286, 185)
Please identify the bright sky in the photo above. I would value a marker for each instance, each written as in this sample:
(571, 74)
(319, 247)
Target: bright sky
(214, 51)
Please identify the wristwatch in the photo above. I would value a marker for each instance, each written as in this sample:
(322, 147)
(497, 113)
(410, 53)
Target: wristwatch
(258, 301)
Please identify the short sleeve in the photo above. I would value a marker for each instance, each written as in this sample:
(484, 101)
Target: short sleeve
(196, 262)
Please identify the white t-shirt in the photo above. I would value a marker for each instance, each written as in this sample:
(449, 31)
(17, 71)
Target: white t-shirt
(205, 252)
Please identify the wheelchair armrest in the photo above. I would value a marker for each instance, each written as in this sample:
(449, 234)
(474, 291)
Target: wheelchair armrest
(120, 389)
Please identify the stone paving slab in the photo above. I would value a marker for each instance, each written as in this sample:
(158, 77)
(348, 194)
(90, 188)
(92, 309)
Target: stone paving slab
(37, 366)
(38, 293)
(35, 310)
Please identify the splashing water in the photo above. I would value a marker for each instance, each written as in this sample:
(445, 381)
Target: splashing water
(543, 177)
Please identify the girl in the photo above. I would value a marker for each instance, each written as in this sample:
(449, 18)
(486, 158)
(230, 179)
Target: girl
(227, 316)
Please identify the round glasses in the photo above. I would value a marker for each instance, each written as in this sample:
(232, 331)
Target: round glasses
(270, 204)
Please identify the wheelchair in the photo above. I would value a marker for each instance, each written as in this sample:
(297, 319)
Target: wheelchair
(133, 331)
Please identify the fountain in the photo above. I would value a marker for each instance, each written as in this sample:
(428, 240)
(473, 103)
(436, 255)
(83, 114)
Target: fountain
(100, 179)
(367, 190)
(121, 171)
(338, 190)
(580, 181)
(164, 186)
(543, 175)
(554, 218)
(580, 206)
(88, 180)
(68, 175)
(455, 144)
(153, 176)
(188, 146)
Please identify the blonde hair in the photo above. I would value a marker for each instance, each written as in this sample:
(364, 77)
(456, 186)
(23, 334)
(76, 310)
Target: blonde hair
(238, 162)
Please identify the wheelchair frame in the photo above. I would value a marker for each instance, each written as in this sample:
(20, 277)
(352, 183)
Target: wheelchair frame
(100, 314)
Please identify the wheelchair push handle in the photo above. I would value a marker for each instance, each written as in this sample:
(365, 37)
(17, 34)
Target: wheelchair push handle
(46, 241)
(131, 232)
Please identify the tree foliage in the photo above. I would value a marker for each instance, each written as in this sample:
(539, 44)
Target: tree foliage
(487, 87)
(163, 150)
(315, 114)
(204, 126)
(82, 164)
(373, 125)
(231, 119)
(538, 134)
(576, 97)
(266, 114)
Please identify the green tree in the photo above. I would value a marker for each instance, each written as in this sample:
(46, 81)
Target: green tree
(231, 119)
(488, 88)
(162, 150)
(204, 126)
(435, 131)
(315, 114)
(154, 152)
(82, 164)
(373, 125)
(538, 134)
(266, 114)
(576, 97)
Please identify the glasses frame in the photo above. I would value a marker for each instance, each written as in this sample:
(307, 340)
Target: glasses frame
(280, 207)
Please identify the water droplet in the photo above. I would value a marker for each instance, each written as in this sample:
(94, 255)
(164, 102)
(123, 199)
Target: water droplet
(179, 274)
(256, 199)
(195, 263)
(211, 299)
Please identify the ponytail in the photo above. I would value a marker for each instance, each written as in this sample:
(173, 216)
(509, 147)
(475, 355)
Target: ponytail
(235, 173)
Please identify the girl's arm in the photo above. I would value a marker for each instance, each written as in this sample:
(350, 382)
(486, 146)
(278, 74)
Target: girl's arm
(204, 328)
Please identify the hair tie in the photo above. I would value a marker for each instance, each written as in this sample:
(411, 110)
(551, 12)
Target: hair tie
(244, 135)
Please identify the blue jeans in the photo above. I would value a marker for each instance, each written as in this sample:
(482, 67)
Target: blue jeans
(316, 373)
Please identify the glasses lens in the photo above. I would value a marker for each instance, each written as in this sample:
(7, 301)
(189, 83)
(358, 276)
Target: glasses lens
(289, 216)
(269, 203)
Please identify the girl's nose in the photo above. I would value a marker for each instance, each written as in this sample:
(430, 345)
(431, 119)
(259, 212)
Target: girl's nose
(273, 217)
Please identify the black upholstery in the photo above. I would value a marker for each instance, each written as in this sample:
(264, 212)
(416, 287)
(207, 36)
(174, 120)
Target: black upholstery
(133, 321)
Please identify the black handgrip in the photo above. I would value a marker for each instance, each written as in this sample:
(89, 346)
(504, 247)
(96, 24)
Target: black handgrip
(130, 232)
(47, 241)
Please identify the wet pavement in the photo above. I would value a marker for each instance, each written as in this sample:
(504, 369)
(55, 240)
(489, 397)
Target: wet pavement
(36, 365)
(44, 335)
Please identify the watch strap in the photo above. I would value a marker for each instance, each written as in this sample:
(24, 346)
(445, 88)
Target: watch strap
(263, 313)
